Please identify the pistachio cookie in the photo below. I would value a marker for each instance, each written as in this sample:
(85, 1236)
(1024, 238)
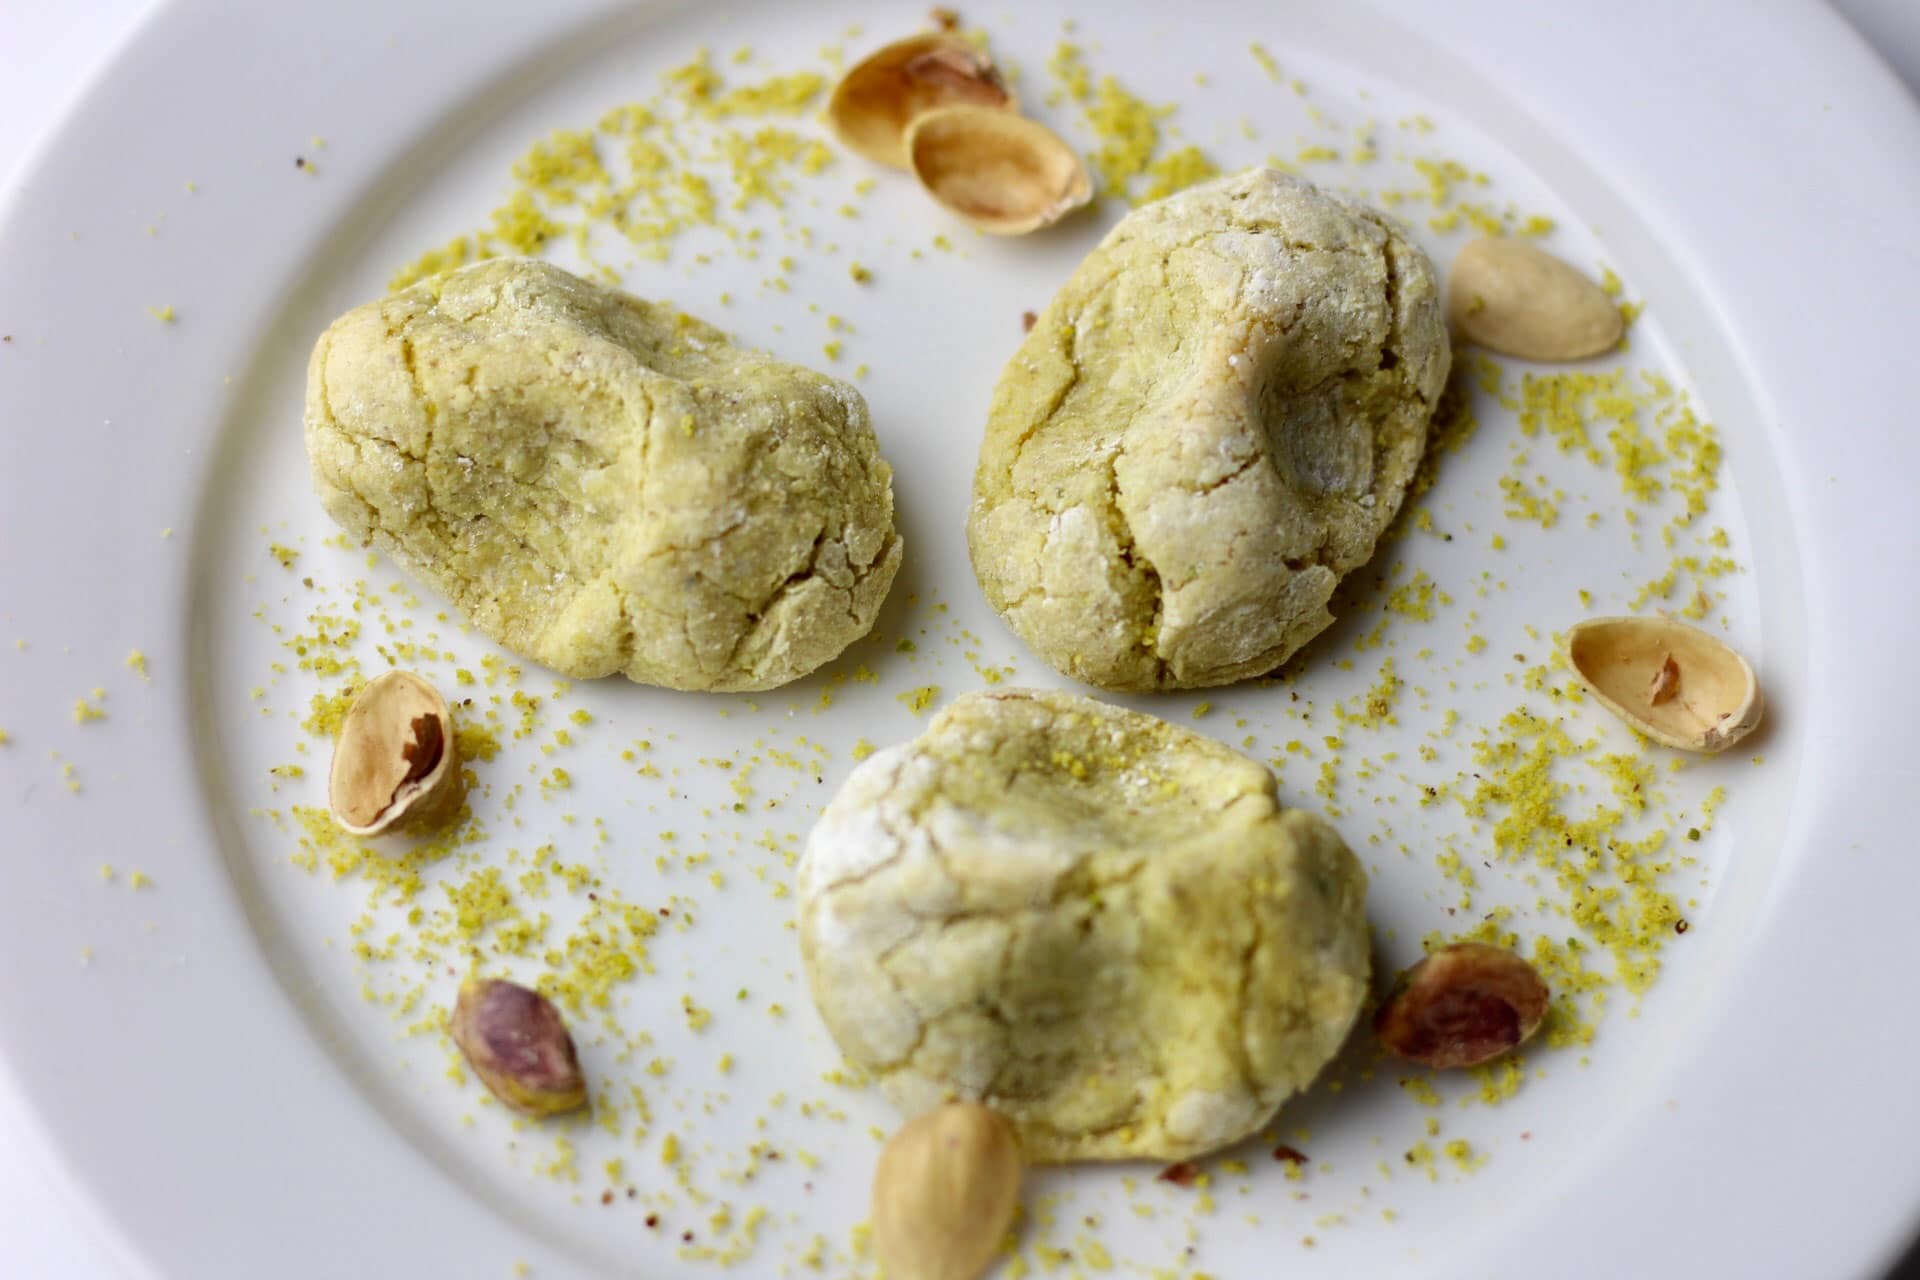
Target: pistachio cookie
(1102, 925)
(1208, 427)
(601, 483)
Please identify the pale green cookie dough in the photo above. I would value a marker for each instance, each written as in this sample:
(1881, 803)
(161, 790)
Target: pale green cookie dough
(601, 483)
(1101, 924)
(1209, 425)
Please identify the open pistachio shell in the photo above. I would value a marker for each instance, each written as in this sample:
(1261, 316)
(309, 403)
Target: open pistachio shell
(1672, 682)
(880, 97)
(1004, 173)
(396, 762)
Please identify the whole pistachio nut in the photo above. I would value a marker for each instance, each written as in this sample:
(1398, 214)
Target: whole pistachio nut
(944, 1193)
(1516, 298)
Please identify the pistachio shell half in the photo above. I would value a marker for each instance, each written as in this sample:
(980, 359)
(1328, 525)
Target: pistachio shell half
(879, 98)
(1515, 298)
(1005, 174)
(396, 762)
(944, 1193)
(1672, 682)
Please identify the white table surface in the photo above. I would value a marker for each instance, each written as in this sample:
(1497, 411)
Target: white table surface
(49, 52)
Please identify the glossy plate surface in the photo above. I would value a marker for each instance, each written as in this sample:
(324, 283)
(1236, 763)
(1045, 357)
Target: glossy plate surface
(238, 1042)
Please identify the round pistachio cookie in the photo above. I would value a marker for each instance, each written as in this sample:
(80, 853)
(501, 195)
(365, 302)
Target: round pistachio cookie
(1207, 428)
(1101, 924)
(601, 483)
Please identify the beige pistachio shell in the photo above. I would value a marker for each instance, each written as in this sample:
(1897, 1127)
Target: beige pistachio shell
(396, 763)
(880, 97)
(944, 1193)
(1674, 683)
(1516, 298)
(1005, 174)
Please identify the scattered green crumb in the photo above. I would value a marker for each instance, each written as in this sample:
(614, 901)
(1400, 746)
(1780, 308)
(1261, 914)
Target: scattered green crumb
(918, 700)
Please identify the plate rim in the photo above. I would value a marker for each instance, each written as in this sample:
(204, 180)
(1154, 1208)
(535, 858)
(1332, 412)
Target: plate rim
(1861, 1229)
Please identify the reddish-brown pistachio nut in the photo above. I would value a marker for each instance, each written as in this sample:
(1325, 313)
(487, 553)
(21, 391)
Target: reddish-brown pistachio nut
(515, 1041)
(1461, 1006)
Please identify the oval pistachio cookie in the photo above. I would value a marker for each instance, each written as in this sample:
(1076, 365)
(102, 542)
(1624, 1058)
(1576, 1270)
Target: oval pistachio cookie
(1207, 428)
(602, 483)
(1102, 925)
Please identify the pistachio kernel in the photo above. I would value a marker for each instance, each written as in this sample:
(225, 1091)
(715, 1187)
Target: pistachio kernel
(517, 1043)
(1461, 1006)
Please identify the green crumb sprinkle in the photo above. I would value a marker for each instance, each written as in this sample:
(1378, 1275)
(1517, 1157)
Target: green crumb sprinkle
(285, 555)
(859, 273)
(137, 662)
(1421, 1090)
(165, 315)
(918, 700)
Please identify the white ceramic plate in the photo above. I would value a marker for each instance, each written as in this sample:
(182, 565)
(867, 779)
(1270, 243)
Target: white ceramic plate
(204, 1049)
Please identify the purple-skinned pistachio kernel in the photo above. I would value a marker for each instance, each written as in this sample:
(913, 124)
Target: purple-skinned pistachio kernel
(517, 1043)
